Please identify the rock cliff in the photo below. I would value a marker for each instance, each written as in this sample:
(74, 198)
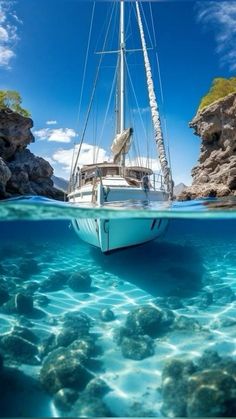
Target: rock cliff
(215, 174)
(21, 172)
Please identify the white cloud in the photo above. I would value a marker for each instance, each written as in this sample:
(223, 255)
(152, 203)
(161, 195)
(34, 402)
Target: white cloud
(4, 37)
(51, 122)
(60, 135)
(87, 156)
(8, 33)
(5, 56)
(222, 16)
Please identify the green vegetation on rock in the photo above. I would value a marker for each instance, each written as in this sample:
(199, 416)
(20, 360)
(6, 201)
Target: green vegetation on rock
(220, 88)
(12, 99)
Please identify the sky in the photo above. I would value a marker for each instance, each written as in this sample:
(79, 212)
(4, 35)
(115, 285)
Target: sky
(45, 44)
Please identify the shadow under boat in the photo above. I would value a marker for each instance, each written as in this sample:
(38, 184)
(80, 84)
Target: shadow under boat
(160, 268)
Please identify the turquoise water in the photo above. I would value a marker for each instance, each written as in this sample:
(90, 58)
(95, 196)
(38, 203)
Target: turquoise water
(115, 367)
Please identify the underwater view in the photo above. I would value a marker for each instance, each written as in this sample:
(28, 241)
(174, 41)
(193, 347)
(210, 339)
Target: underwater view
(147, 331)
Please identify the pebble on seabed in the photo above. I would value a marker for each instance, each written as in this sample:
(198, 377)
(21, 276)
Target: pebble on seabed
(107, 315)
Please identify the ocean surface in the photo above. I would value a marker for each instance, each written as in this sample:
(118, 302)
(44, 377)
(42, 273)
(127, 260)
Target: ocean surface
(148, 331)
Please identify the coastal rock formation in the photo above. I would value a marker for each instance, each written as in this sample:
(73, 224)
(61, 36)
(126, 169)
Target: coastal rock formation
(21, 172)
(215, 175)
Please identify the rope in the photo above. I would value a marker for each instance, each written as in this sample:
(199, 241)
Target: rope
(106, 113)
(86, 62)
(91, 100)
(147, 26)
(161, 88)
(82, 87)
(138, 107)
(154, 109)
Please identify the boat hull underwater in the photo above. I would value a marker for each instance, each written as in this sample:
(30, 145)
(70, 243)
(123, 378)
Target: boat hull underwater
(113, 234)
(116, 233)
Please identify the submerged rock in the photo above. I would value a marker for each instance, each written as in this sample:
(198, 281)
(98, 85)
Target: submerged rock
(77, 320)
(64, 367)
(26, 334)
(137, 347)
(80, 282)
(55, 282)
(186, 323)
(97, 387)
(65, 398)
(145, 320)
(211, 394)
(20, 303)
(175, 387)
(209, 359)
(206, 389)
(19, 348)
(29, 267)
(107, 315)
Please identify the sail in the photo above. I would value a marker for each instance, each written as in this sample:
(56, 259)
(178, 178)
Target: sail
(121, 144)
(154, 109)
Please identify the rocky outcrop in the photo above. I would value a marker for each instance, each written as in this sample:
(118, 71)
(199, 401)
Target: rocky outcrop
(215, 175)
(21, 172)
(178, 189)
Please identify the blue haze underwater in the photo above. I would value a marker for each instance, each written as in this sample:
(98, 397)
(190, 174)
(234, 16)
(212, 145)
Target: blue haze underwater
(120, 364)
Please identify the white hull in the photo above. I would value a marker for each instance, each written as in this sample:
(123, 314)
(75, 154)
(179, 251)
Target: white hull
(118, 233)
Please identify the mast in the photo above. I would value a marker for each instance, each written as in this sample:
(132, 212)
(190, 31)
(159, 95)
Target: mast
(121, 113)
(154, 110)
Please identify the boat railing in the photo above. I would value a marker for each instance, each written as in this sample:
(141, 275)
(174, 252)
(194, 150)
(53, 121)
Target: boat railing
(157, 182)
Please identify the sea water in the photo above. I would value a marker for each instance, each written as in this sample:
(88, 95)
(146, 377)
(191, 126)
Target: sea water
(190, 273)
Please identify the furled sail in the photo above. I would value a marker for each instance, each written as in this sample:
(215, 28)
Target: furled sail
(154, 110)
(121, 144)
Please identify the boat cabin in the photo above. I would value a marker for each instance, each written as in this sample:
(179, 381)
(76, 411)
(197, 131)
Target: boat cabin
(133, 174)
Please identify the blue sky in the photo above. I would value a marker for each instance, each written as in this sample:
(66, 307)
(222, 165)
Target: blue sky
(43, 46)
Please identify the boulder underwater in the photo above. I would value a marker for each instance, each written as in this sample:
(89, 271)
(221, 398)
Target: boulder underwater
(206, 388)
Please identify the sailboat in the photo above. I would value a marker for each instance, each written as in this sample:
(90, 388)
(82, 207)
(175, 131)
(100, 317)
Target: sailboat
(108, 183)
